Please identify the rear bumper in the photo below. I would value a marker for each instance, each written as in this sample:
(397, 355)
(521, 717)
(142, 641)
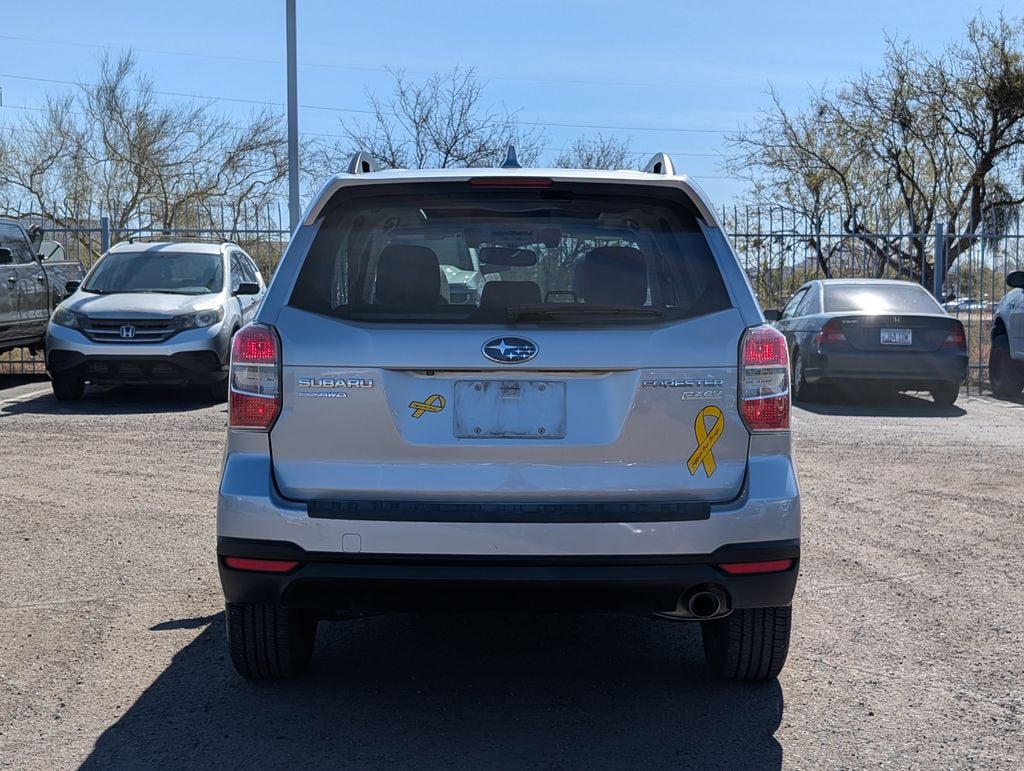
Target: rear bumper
(333, 582)
(905, 368)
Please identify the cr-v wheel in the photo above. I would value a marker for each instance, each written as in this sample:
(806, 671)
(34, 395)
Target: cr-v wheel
(68, 388)
(269, 642)
(1005, 374)
(749, 644)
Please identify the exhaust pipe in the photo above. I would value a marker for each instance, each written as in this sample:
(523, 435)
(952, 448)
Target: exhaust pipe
(704, 604)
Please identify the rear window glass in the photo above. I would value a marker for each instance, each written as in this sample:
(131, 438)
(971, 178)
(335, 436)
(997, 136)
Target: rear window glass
(454, 253)
(879, 298)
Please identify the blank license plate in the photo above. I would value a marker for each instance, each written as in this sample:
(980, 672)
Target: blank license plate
(509, 409)
(897, 337)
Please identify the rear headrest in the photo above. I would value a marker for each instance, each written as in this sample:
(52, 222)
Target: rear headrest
(501, 294)
(612, 275)
(408, 277)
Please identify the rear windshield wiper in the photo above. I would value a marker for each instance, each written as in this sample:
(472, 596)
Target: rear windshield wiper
(518, 312)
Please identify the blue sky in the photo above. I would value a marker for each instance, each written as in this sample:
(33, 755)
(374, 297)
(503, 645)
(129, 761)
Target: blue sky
(675, 76)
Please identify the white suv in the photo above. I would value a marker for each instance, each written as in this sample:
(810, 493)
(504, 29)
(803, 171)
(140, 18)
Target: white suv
(1006, 358)
(606, 427)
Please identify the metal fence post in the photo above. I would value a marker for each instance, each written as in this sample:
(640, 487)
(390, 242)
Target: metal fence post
(939, 274)
(104, 234)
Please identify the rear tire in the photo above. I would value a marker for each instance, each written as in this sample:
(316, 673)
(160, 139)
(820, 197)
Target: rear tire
(68, 388)
(1005, 375)
(749, 644)
(946, 394)
(269, 642)
(802, 390)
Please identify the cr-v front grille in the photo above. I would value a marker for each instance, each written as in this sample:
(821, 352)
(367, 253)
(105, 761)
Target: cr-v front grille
(128, 330)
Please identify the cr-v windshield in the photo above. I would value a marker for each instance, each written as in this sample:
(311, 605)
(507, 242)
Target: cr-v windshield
(561, 254)
(157, 271)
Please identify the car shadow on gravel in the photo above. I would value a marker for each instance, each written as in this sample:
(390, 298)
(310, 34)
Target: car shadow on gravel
(873, 404)
(491, 690)
(122, 400)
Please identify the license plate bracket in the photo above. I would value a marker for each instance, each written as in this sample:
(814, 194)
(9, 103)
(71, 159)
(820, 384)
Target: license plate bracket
(896, 336)
(509, 409)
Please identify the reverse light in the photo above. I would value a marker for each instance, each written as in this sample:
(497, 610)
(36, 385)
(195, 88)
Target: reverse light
(754, 568)
(764, 380)
(255, 378)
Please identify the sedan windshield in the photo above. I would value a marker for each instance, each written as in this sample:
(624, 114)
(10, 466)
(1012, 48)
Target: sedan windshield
(157, 271)
(879, 298)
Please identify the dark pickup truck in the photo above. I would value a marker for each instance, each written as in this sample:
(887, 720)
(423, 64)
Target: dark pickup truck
(32, 284)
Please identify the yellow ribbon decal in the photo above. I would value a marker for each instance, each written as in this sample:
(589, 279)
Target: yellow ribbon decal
(433, 403)
(704, 455)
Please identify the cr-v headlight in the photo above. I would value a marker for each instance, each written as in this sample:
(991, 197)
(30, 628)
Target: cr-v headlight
(200, 319)
(65, 318)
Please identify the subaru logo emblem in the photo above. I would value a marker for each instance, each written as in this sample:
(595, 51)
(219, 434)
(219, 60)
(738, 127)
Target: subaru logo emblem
(510, 350)
(127, 332)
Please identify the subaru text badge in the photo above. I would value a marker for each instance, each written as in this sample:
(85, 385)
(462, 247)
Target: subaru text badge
(510, 350)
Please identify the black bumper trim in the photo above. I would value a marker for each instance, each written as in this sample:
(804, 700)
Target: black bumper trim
(184, 366)
(348, 582)
(420, 511)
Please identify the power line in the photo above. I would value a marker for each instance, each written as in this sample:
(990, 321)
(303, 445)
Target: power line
(371, 112)
(322, 65)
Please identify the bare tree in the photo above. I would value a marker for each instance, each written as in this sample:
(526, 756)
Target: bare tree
(927, 139)
(114, 147)
(441, 122)
(597, 152)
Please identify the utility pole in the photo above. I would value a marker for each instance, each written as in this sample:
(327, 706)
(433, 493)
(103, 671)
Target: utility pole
(293, 121)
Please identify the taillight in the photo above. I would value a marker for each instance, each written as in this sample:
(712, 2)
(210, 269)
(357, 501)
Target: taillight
(255, 398)
(956, 338)
(764, 380)
(831, 333)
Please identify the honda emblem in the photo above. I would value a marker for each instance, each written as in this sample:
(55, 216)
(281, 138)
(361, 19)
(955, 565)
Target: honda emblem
(127, 332)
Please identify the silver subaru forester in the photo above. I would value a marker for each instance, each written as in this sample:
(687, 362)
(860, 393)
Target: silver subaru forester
(605, 427)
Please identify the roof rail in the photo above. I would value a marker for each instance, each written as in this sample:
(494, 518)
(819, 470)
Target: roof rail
(362, 163)
(660, 163)
(174, 238)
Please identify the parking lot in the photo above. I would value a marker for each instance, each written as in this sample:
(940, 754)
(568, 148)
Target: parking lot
(907, 650)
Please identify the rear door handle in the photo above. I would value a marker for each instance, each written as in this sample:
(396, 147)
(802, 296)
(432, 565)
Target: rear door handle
(12, 279)
(41, 279)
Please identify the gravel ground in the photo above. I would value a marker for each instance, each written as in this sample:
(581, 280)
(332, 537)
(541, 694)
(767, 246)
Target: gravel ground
(907, 651)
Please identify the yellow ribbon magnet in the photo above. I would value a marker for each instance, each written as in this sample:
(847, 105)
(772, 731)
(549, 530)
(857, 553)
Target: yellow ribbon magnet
(704, 455)
(433, 403)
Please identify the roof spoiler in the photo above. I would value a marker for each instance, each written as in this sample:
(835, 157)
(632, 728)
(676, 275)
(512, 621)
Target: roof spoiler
(362, 163)
(660, 163)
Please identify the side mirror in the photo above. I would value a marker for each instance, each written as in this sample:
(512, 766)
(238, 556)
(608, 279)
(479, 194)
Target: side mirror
(772, 314)
(6, 258)
(247, 287)
(1016, 279)
(71, 287)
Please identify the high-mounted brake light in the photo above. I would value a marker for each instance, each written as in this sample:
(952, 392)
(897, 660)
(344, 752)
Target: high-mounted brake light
(831, 333)
(511, 182)
(764, 380)
(255, 379)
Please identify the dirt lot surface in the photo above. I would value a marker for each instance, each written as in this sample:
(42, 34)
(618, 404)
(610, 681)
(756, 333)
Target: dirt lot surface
(908, 650)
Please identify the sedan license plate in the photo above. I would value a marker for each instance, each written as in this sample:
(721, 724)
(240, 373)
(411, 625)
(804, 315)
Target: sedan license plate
(897, 337)
(509, 409)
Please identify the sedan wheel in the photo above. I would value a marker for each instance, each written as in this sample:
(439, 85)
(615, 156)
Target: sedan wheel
(802, 390)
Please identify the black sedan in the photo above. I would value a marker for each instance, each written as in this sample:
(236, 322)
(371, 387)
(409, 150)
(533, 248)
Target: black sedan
(856, 332)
